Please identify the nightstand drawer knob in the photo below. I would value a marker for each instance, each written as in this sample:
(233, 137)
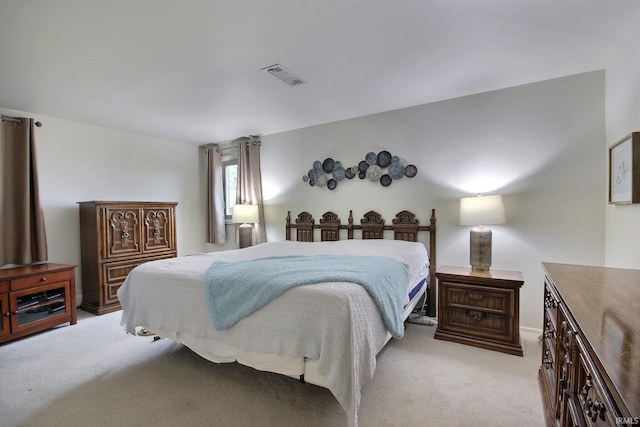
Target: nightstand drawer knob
(476, 295)
(476, 315)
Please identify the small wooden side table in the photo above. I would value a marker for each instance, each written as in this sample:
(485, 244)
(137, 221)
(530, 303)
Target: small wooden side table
(480, 308)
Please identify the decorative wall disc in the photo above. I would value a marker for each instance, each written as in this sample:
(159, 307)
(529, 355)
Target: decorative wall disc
(396, 171)
(328, 165)
(371, 158)
(349, 174)
(373, 173)
(383, 159)
(338, 173)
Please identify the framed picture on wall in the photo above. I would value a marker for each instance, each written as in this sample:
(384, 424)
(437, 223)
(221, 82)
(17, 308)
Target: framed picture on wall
(624, 170)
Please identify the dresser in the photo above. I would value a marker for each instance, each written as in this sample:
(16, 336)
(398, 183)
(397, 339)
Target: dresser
(115, 237)
(480, 308)
(590, 370)
(36, 297)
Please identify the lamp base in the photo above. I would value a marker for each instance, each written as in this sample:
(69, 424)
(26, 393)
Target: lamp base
(245, 235)
(480, 248)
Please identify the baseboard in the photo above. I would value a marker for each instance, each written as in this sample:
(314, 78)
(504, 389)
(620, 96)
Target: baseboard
(530, 330)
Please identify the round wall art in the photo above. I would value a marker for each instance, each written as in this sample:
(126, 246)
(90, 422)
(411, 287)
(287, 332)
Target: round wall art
(382, 167)
(385, 168)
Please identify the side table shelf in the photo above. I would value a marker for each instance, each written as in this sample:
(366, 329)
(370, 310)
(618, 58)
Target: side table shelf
(36, 297)
(480, 308)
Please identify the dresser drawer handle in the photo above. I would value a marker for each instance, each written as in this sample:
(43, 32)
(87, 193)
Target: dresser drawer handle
(550, 302)
(547, 361)
(43, 279)
(476, 315)
(476, 295)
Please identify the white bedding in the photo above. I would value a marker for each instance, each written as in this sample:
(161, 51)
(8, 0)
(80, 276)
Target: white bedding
(337, 326)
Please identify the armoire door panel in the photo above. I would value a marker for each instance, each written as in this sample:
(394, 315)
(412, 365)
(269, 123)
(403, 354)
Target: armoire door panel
(157, 229)
(122, 232)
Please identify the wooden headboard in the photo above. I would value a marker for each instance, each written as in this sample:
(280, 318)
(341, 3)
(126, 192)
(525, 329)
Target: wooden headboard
(405, 226)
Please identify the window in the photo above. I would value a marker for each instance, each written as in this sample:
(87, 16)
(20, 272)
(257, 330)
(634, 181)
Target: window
(230, 186)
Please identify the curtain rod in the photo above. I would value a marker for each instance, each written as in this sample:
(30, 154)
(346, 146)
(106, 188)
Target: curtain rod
(19, 120)
(219, 148)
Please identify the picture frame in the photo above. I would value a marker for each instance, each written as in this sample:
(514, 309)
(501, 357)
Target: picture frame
(624, 170)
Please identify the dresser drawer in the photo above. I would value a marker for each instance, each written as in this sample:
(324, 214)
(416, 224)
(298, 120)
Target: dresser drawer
(548, 371)
(549, 335)
(551, 303)
(40, 279)
(490, 300)
(596, 405)
(4, 287)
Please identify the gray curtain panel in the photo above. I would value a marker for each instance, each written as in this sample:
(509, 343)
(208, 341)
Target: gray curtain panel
(216, 231)
(250, 183)
(22, 232)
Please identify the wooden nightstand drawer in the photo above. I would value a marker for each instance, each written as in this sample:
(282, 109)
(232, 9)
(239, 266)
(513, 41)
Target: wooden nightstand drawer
(479, 323)
(471, 296)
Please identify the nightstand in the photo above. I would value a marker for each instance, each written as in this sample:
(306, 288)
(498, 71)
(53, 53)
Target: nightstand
(480, 308)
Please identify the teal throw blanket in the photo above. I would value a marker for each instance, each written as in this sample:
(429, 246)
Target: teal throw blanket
(234, 290)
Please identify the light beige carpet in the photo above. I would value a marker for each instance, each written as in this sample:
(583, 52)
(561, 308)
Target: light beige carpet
(93, 374)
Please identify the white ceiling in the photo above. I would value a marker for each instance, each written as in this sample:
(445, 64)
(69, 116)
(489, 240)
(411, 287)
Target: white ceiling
(189, 70)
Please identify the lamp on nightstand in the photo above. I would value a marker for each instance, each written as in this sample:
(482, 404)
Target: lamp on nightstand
(245, 215)
(481, 211)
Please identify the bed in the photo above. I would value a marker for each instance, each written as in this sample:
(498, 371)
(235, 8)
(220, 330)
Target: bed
(326, 333)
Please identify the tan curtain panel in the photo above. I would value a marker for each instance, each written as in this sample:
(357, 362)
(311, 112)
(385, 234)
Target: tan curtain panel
(250, 183)
(216, 231)
(22, 232)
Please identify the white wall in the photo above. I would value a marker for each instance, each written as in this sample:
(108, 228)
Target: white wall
(539, 145)
(78, 162)
(623, 117)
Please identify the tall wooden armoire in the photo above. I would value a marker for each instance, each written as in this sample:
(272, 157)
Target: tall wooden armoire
(115, 237)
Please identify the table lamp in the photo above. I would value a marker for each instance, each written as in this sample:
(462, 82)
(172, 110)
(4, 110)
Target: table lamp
(245, 215)
(481, 211)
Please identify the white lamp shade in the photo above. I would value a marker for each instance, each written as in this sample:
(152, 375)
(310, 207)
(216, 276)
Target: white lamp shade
(245, 214)
(482, 210)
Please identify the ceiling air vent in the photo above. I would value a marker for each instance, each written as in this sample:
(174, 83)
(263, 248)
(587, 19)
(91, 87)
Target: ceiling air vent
(280, 72)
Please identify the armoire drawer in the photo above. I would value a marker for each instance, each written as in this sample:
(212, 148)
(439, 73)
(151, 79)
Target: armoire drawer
(114, 274)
